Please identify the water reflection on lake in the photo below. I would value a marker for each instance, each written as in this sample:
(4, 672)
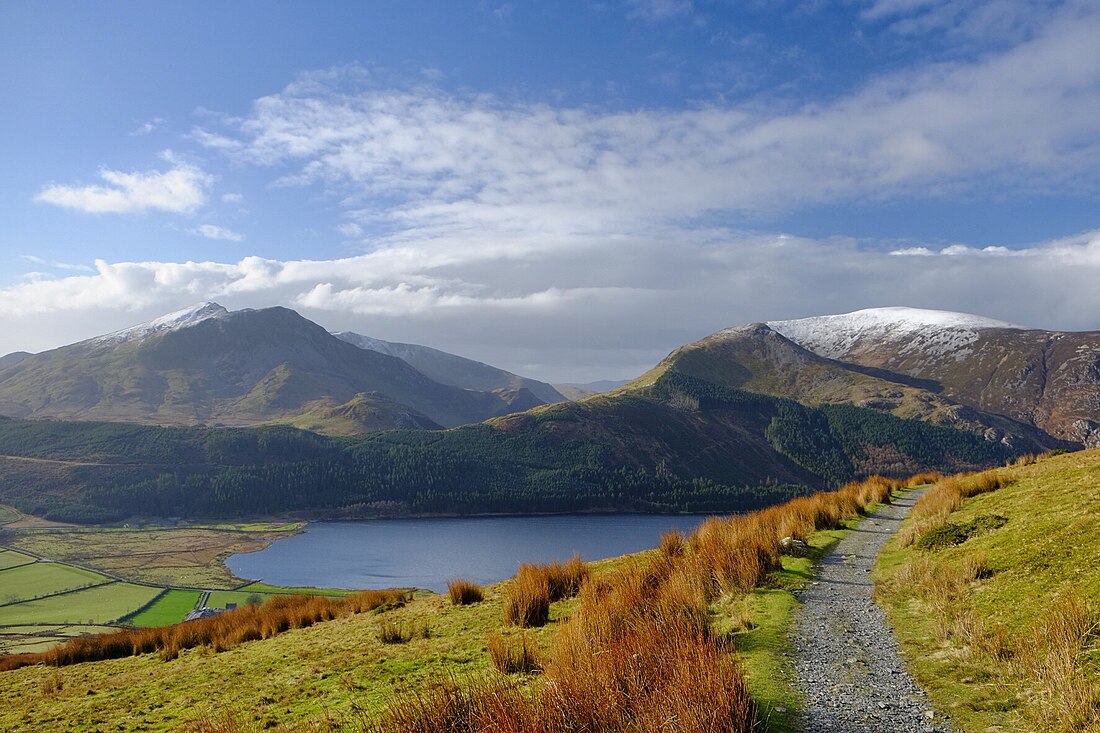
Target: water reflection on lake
(425, 553)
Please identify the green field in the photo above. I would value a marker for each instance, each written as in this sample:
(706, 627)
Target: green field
(8, 514)
(11, 559)
(42, 579)
(18, 639)
(170, 608)
(259, 587)
(100, 605)
(219, 598)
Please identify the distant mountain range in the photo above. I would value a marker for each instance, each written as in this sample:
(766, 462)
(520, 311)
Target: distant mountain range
(207, 365)
(745, 414)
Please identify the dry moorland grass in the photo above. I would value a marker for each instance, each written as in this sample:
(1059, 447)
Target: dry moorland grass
(190, 557)
(638, 652)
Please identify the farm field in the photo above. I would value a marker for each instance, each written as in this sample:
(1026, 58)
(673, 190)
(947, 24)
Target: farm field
(11, 559)
(40, 637)
(8, 514)
(35, 580)
(170, 608)
(260, 587)
(183, 557)
(100, 605)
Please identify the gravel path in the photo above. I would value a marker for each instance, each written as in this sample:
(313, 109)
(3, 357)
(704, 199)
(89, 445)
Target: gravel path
(846, 659)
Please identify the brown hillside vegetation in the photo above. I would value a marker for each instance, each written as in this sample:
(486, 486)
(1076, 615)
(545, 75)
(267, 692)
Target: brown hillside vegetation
(639, 652)
(221, 632)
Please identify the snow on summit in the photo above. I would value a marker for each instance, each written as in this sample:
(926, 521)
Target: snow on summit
(904, 329)
(170, 322)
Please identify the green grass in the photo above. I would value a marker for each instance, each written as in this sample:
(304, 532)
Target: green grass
(218, 599)
(100, 605)
(11, 559)
(324, 672)
(1048, 545)
(18, 639)
(39, 579)
(762, 646)
(259, 587)
(8, 514)
(170, 608)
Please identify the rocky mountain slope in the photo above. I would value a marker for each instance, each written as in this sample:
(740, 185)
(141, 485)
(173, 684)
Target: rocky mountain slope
(455, 371)
(757, 358)
(209, 365)
(1047, 379)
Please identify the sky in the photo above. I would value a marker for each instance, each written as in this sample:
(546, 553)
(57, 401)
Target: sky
(566, 190)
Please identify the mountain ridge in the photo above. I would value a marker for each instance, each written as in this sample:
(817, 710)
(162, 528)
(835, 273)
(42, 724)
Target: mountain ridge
(205, 364)
(1048, 379)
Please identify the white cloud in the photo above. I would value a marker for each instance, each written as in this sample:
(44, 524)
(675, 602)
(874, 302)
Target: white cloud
(428, 164)
(177, 190)
(521, 233)
(594, 308)
(212, 231)
(232, 198)
(148, 126)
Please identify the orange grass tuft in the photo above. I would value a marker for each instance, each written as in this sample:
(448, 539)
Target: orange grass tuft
(464, 592)
(221, 632)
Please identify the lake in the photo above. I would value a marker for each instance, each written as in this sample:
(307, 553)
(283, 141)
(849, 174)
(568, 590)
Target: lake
(426, 553)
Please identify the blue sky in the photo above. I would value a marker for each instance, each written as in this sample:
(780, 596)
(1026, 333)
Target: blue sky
(568, 190)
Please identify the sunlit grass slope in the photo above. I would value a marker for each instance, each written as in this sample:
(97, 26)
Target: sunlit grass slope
(995, 597)
(636, 621)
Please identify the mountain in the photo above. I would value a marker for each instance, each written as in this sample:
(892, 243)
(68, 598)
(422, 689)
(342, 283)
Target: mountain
(1046, 379)
(455, 370)
(208, 365)
(10, 360)
(757, 358)
(578, 391)
(677, 444)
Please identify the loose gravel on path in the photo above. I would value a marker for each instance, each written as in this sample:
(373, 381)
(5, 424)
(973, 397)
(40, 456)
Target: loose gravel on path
(846, 660)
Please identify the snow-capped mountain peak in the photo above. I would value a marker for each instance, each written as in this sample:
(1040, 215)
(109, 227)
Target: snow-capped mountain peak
(908, 329)
(169, 322)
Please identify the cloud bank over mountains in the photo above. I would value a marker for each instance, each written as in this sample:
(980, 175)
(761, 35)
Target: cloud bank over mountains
(532, 235)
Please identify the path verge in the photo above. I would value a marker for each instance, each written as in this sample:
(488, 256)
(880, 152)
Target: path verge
(846, 661)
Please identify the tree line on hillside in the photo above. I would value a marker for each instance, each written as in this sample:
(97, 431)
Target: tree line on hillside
(532, 468)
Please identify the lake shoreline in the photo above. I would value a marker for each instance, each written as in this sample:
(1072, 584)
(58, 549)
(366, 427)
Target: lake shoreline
(424, 551)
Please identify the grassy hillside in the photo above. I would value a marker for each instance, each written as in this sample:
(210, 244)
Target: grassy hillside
(680, 444)
(661, 625)
(994, 597)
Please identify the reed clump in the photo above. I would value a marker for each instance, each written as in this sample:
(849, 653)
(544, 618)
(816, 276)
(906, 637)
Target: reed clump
(221, 632)
(535, 587)
(1054, 660)
(514, 657)
(637, 652)
(527, 602)
(463, 592)
(946, 496)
